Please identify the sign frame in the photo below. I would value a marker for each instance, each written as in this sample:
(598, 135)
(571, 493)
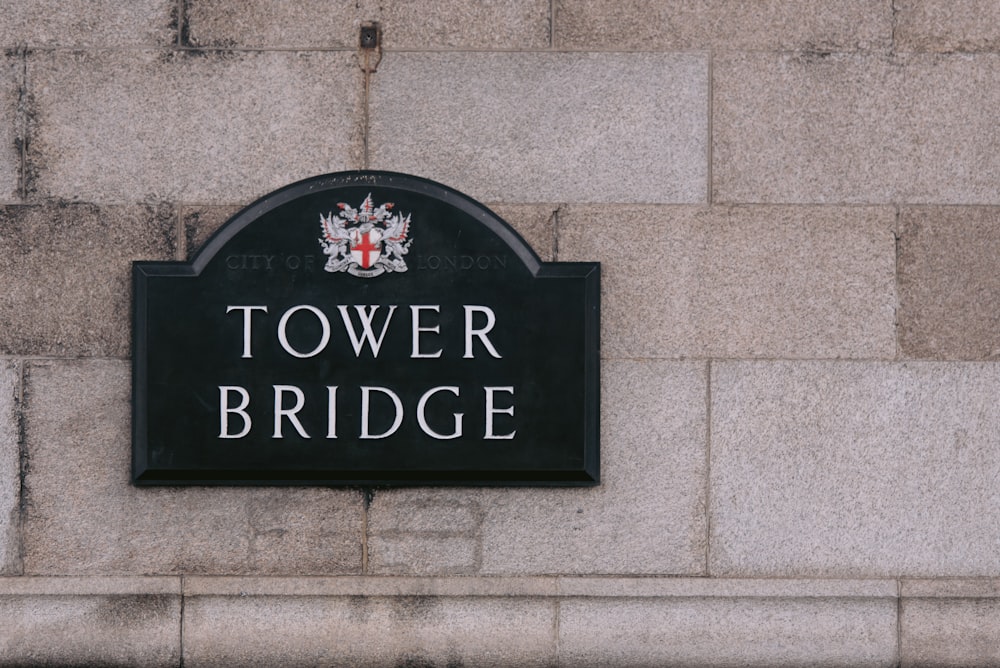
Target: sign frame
(147, 274)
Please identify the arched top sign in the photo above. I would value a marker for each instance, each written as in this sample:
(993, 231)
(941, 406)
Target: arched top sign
(366, 328)
(339, 185)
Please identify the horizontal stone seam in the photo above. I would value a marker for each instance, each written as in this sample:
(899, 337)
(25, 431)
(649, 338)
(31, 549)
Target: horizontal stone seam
(493, 595)
(28, 359)
(394, 586)
(425, 533)
(894, 361)
(576, 207)
(36, 201)
(305, 48)
(195, 51)
(616, 597)
(949, 597)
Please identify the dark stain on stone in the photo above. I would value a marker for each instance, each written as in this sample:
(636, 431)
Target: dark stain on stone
(409, 608)
(359, 609)
(129, 610)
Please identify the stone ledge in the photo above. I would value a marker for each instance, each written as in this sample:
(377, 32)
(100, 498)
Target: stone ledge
(556, 620)
(541, 586)
(88, 586)
(555, 586)
(969, 588)
(950, 622)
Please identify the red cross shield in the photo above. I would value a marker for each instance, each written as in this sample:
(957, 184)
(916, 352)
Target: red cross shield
(366, 247)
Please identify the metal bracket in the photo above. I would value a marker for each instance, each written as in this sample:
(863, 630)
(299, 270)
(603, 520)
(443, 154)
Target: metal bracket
(369, 37)
(370, 45)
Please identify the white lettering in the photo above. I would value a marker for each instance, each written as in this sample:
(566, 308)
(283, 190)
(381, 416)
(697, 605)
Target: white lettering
(283, 335)
(280, 411)
(490, 411)
(421, 418)
(365, 392)
(415, 316)
(366, 325)
(247, 310)
(225, 410)
(331, 413)
(491, 320)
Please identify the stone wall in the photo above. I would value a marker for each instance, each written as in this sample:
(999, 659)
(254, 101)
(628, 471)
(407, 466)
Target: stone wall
(796, 204)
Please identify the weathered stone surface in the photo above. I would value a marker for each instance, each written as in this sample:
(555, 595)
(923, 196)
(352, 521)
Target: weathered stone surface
(812, 25)
(11, 125)
(647, 516)
(837, 128)
(368, 631)
(200, 222)
(724, 632)
(950, 623)
(730, 588)
(949, 289)
(10, 481)
(313, 23)
(360, 585)
(546, 127)
(988, 587)
(427, 534)
(104, 23)
(760, 281)
(66, 271)
(839, 469)
(534, 222)
(94, 630)
(214, 127)
(563, 586)
(84, 516)
(38, 586)
(947, 25)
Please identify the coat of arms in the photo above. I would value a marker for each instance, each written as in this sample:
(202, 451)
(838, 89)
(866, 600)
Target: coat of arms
(367, 241)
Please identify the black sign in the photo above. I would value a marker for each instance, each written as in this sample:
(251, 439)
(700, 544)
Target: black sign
(366, 328)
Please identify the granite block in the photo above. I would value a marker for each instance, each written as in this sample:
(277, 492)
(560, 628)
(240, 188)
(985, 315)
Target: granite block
(84, 517)
(949, 290)
(757, 281)
(947, 25)
(12, 125)
(88, 23)
(727, 632)
(426, 554)
(201, 222)
(206, 127)
(855, 128)
(404, 25)
(534, 222)
(368, 631)
(646, 517)
(774, 25)
(961, 632)
(66, 269)
(90, 630)
(965, 588)
(10, 466)
(546, 127)
(854, 469)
